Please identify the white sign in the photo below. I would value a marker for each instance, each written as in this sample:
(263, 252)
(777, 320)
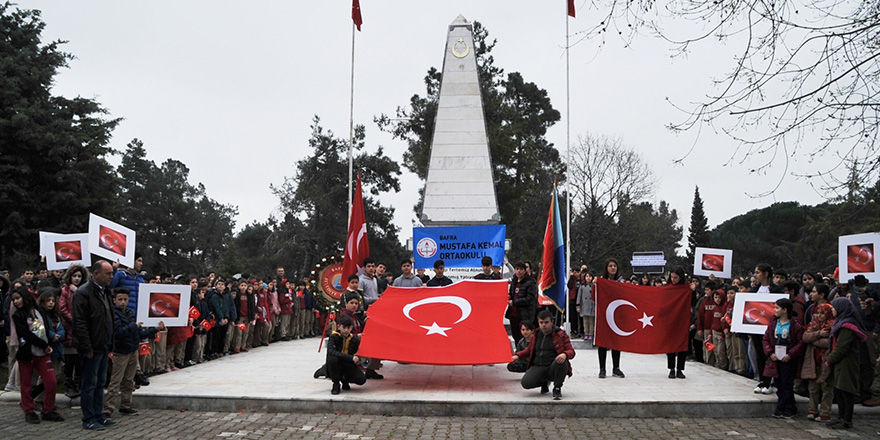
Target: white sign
(168, 303)
(753, 311)
(111, 240)
(856, 256)
(708, 261)
(62, 250)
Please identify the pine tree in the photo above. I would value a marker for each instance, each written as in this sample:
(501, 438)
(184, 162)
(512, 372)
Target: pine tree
(698, 235)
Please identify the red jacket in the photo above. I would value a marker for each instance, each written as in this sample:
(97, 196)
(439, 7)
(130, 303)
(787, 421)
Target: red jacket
(285, 300)
(561, 343)
(728, 312)
(795, 352)
(705, 314)
(718, 314)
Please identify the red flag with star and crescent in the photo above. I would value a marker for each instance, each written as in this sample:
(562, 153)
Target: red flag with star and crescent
(459, 324)
(357, 246)
(642, 319)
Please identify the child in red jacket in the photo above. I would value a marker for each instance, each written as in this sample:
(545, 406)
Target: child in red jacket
(720, 299)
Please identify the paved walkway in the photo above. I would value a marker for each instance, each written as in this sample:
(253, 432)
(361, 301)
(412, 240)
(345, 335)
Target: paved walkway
(169, 425)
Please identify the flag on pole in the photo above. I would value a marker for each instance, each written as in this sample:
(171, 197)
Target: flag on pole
(357, 247)
(570, 9)
(358, 20)
(553, 278)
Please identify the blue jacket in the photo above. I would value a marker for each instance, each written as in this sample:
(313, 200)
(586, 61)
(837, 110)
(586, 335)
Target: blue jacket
(126, 333)
(123, 278)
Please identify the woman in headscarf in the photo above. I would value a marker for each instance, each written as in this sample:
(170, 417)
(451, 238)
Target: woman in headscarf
(846, 334)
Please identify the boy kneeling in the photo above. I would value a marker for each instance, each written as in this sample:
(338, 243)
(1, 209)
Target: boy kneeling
(548, 354)
(341, 358)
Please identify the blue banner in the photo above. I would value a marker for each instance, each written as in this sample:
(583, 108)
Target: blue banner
(458, 246)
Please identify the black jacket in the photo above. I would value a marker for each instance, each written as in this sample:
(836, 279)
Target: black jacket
(527, 300)
(92, 320)
(335, 344)
(126, 333)
(19, 319)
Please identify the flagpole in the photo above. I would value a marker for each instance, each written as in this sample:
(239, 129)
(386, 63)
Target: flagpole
(351, 127)
(568, 168)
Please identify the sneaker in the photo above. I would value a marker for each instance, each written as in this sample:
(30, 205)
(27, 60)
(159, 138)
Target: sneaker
(617, 373)
(672, 374)
(601, 374)
(107, 422)
(777, 415)
(679, 374)
(825, 419)
(545, 389)
(372, 374)
(320, 372)
(758, 389)
(129, 411)
(811, 416)
(872, 401)
(335, 390)
(53, 416)
(829, 423)
(557, 393)
(787, 415)
(840, 424)
(766, 390)
(93, 426)
(32, 418)
(345, 386)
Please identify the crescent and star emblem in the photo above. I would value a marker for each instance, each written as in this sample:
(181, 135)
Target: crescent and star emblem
(356, 244)
(155, 307)
(866, 252)
(462, 304)
(609, 317)
(62, 256)
(463, 53)
(749, 315)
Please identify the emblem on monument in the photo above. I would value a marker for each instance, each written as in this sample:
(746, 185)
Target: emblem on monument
(460, 49)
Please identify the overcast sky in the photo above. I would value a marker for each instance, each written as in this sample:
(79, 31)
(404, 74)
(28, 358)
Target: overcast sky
(230, 88)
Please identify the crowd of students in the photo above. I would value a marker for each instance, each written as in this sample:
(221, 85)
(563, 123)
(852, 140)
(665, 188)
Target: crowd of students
(227, 317)
(822, 341)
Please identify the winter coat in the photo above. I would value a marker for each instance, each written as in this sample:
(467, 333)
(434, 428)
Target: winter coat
(844, 358)
(526, 299)
(219, 305)
(65, 305)
(126, 333)
(124, 278)
(585, 300)
(28, 338)
(815, 368)
(92, 320)
(342, 348)
(795, 351)
(561, 343)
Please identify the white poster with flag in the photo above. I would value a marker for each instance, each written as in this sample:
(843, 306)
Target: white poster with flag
(752, 312)
(111, 240)
(62, 250)
(357, 246)
(166, 303)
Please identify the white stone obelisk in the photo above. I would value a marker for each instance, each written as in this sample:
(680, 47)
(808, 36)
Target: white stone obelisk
(460, 189)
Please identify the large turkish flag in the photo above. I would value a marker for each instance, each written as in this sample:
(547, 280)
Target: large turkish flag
(460, 324)
(642, 319)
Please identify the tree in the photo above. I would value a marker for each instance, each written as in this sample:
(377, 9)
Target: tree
(804, 81)
(518, 114)
(314, 202)
(53, 170)
(179, 228)
(698, 233)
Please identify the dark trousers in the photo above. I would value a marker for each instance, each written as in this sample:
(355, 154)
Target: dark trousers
(190, 347)
(344, 371)
(218, 332)
(695, 346)
(577, 324)
(675, 361)
(515, 325)
(615, 357)
(785, 387)
(94, 375)
(71, 369)
(538, 375)
(758, 342)
(845, 403)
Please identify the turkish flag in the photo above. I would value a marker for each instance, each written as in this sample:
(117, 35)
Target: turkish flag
(356, 14)
(357, 247)
(68, 250)
(208, 324)
(194, 313)
(713, 262)
(459, 324)
(642, 319)
(758, 312)
(144, 348)
(112, 240)
(164, 305)
(860, 258)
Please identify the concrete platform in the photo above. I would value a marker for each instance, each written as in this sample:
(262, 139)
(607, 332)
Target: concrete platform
(279, 378)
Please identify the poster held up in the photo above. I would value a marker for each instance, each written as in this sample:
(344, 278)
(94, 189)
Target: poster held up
(856, 256)
(111, 240)
(168, 303)
(709, 261)
(63, 250)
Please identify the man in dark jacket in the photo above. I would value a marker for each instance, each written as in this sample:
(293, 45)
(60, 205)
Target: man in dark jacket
(92, 332)
(522, 299)
(549, 357)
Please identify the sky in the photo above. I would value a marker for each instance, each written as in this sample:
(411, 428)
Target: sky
(230, 89)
